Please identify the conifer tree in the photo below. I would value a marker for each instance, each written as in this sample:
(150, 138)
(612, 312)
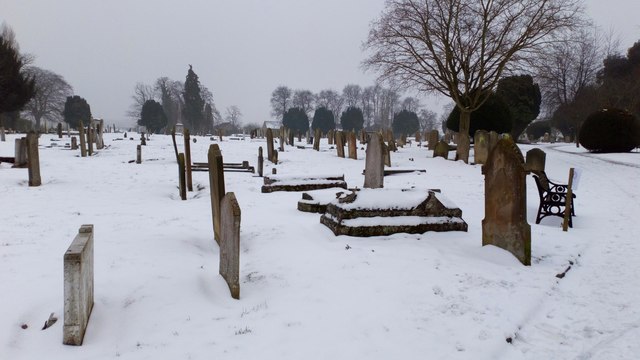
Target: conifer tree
(193, 111)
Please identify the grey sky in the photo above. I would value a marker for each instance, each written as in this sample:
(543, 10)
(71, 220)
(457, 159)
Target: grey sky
(241, 49)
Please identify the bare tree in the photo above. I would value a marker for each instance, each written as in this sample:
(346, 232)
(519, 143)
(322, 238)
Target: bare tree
(280, 101)
(303, 99)
(233, 115)
(411, 104)
(332, 100)
(351, 94)
(428, 120)
(461, 48)
(51, 94)
(141, 93)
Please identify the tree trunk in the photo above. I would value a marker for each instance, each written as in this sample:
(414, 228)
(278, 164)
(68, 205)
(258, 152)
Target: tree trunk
(462, 153)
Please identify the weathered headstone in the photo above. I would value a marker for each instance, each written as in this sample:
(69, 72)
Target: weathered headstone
(20, 153)
(143, 139)
(59, 130)
(33, 159)
(316, 139)
(441, 150)
(270, 145)
(493, 140)
(216, 184)
(275, 157)
(462, 150)
(353, 146)
(182, 182)
(387, 155)
(403, 140)
(434, 137)
(90, 140)
(78, 286)
(340, 143)
(138, 154)
(567, 139)
(536, 160)
(230, 243)
(99, 134)
(505, 210)
(374, 162)
(363, 136)
(281, 138)
(74, 143)
(187, 158)
(417, 137)
(331, 136)
(220, 134)
(547, 137)
(291, 137)
(481, 146)
(392, 145)
(2, 135)
(260, 162)
(83, 141)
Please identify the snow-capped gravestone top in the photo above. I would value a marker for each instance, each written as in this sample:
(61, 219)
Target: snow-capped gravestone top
(374, 163)
(505, 210)
(374, 212)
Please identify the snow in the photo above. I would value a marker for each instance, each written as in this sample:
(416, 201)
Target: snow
(396, 221)
(305, 293)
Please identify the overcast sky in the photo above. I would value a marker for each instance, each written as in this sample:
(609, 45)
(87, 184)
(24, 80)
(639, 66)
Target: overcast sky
(241, 49)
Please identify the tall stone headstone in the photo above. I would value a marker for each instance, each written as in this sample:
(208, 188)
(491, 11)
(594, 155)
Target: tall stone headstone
(83, 141)
(216, 184)
(270, 145)
(138, 154)
(59, 128)
(536, 160)
(387, 155)
(353, 146)
(331, 136)
(493, 140)
(230, 243)
(374, 162)
(182, 180)
(187, 158)
(291, 136)
(505, 210)
(33, 159)
(260, 162)
(99, 134)
(340, 143)
(481, 146)
(78, 286)
(462, 150)
(434, 137)
(417, 137)
(363, 136)
(20, 153)
(281, 138)
(90, 140)
(74, 143)
(441, 150)
(316, 139)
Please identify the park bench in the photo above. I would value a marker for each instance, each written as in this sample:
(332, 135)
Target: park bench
(553, 198)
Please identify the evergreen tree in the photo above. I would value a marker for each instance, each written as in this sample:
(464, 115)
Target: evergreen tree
(152, 116)
(323, 119)
(208, 119)
(296, 119)
(193, 103)
(493, 115)
(16, 89)
(352, 119)
(77, 111)
(405, 122)
(523, 98)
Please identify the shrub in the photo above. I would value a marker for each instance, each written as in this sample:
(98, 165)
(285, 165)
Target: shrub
(323, 120)
(405, 122)
(296, 119)
(493, 115)
(610, 130)
(352, 119)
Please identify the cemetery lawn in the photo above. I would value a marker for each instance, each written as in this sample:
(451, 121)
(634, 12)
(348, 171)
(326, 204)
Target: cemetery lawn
(305, 293)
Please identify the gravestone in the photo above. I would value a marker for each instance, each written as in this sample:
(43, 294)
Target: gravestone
(74, 143)
(33, 159)
(182, 182)
(187, 158)
(3, 137)
(270, 145)
(417, 137)
(363, 136)
(99, 134)
(481, 146)
(281, 138)
(291, 137)
(20, 153)
(505, 220)
(536, 159)
(462, 150)
(392, 145)
(493, 140)
(220, 133)
(387, 154)
(90, 140)
(567, 139)
(441, 150)
(546, 137)
(216, 184)
(78, 286)
(331, 136)
(447, 137)
(340, 143)
(316, 139)
(403, 140)
(230, 243)
(434, 137)
(260, 162)
(374, 162)
(353, 146)
(83, 140)
(59, 130)
(138, 154)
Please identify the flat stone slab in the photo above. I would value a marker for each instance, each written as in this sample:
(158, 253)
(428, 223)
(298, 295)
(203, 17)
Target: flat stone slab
(302, 182)
(375, 212)
(399, 170)
(316, 201)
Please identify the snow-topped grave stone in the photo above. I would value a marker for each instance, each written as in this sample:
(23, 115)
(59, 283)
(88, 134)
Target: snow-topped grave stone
(374, 212)
(302, 182)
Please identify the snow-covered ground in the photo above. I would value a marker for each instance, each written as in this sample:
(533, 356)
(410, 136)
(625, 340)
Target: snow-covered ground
(305, 293)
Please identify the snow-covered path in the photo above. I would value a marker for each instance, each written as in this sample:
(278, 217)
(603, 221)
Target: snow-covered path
(594, 312)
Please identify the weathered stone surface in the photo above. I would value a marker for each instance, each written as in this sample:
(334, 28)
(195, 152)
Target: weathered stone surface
(408, 211)
(505, 222)
(83, 141)
(481, 146)
(33, 159)
(216, 184)
(331, 136)
(90, 140)
(462, 151)
(187, 158)
(374, 162)
(441, 150)
(340, 143)
(78, 286)
(230, 243)
(270, 145)
(182, 180)
(387, 154)
(434, 137)
(316, 139)
(2, 134)
(536, 160)
(302, 182)
(353, 146)
(74, 143)
(59, 129)
(138, 154)
(493, 140)
(282, 138)
(260, 162)
(546, 137)
(20, 153)
(317, 201)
